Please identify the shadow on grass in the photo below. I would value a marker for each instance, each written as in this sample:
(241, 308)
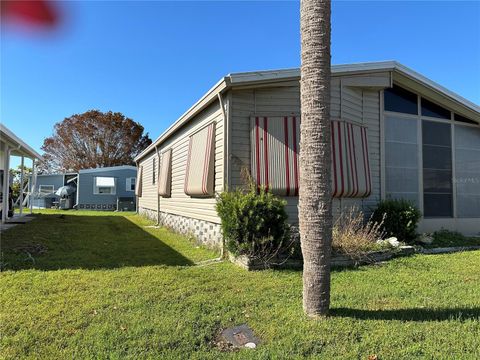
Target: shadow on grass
(412, 314)
(84, 242)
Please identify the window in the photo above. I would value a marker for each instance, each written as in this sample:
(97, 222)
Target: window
(46, 189)
(200, 171)
(130, 184)
(401, 158)
(467, 171)
(437, 169)
(464, 119)
(433, 110)
(154, 170)
(400, 100)
(104, 186)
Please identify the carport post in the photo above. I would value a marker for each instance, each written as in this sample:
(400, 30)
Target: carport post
(33, 184)
(6, 183)
(21, 185)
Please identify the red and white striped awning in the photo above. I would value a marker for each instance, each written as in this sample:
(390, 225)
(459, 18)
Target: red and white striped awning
(275, 147)
(350, 160)
(275, 153)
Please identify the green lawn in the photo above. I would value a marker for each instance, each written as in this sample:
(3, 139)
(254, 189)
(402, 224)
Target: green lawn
(108, 287)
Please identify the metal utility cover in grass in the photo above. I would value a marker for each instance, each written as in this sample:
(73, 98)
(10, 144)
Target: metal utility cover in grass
(239, 336)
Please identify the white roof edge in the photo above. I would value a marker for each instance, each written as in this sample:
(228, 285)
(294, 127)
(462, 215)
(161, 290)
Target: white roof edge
(58, 174)
(437, 87)
(27, 149)
(109, 168)
(198, 106)
(240, 78)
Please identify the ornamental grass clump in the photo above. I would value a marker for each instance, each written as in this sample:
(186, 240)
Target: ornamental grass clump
(254, 223)
(352, 236)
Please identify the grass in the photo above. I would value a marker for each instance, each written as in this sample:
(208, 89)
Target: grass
(110, 288)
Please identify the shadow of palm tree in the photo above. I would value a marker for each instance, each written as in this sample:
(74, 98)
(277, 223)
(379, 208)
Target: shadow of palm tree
(410, 314)
(85, 242)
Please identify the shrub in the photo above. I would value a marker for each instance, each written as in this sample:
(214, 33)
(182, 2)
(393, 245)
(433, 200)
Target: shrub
(253, 224)
(352, 236)
(399, 218)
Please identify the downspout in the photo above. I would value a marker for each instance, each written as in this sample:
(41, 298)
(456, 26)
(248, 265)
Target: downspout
(77, 195)
(6, 183)
(136, 196)
(33, 184)
(226, 156)
(156, 190)
(21, 184)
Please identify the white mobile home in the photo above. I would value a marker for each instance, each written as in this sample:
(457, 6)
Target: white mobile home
(395, 134)
(12, 145)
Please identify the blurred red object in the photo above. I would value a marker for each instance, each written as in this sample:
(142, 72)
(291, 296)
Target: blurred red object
(32, 12)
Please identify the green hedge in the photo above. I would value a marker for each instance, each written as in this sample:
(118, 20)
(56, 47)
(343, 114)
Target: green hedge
(399, 218)
(253, 224)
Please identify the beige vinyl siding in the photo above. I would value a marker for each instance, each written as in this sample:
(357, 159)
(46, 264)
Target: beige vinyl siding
(179, 203)
(352, 104)
(148, 199)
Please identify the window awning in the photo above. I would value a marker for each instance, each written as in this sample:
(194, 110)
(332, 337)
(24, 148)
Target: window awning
(275, 151)
(350, 161)
(165, 181)
(105, 181)
(139, 184)
(199, 179)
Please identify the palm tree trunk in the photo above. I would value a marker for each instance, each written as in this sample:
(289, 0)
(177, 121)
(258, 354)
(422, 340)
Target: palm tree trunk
(315, 201)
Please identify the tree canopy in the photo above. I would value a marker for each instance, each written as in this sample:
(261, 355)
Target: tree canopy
(91, 140)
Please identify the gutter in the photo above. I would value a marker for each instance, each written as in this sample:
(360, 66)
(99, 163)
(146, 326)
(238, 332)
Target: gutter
(205, 100)
(136, 196)
(156, 191)
(15, 142)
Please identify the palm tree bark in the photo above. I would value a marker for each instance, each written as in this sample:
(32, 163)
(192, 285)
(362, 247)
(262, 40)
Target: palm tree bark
(315, 201)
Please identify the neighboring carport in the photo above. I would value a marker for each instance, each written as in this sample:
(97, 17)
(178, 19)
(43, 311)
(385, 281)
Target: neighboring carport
(12, 145)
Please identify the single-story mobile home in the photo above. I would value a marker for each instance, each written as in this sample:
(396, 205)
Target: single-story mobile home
(108, 188)
(395, 134)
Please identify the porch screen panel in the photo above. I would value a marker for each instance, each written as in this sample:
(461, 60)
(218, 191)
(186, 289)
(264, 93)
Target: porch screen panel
(401, 158)
(467, 171)
(138, 185)
(165, 176)
(199, 178)
(437, 169)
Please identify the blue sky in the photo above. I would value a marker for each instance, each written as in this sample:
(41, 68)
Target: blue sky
(152, 60)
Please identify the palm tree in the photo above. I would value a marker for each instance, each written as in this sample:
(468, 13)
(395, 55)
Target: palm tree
(315, 202)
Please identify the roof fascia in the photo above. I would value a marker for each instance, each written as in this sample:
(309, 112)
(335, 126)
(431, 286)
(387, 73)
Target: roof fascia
(205, 100)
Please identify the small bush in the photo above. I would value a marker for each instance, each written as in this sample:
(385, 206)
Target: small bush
(253, 224)
(399, 218)
(352, 236)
